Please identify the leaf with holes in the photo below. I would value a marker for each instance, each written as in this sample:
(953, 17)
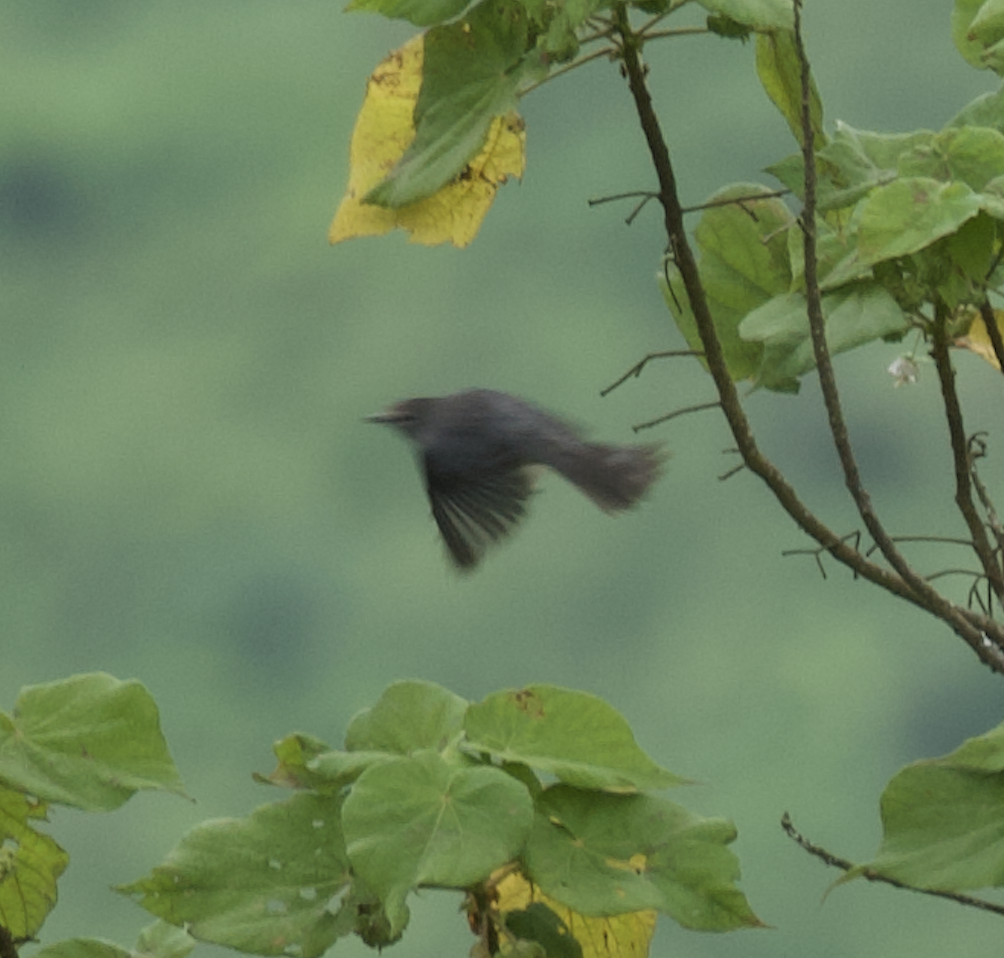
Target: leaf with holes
(30, 863)
(276, 882)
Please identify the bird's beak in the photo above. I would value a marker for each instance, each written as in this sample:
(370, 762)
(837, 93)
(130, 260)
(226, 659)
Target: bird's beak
(388, 416)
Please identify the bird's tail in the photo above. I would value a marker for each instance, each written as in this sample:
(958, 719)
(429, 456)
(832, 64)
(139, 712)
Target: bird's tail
(614, 477)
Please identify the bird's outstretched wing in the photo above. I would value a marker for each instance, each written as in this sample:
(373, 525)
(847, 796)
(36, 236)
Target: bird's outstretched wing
(474, 512)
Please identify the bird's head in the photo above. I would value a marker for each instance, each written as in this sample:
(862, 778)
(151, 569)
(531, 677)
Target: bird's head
(407, 416)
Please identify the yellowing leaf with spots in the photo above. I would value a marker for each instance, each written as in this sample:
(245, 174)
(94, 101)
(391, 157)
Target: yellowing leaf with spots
(524, 910)
(978, 338)
(384, 131)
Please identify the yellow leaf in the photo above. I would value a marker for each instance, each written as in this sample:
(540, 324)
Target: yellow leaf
(619, 936)
(978, 339)
(384, 130)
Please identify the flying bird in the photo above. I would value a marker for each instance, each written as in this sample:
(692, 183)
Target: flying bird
(477, 448)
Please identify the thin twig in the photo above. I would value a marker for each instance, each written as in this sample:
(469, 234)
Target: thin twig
(973, 596)
(633, 215)
(962, 454)
(678, 32)
(977, 450)
(736, 201)
(700, 407)
(636, 369)
(649, 25)
(970, 573)
(735, 470)
(574, 65)
(948, 540)
(870, 874)
(645, 194)
(817, 553)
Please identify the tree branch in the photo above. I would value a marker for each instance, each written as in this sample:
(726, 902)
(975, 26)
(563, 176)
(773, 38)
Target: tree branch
(993, 331)
(981, 637)
(683, 256)
(870, 874)
(961, 456)
(636, 369)
(982, 634)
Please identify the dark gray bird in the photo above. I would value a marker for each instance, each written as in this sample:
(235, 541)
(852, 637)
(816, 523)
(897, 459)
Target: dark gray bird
(476, 449)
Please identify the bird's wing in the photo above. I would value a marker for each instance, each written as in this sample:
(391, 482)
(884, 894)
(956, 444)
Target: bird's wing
(473, 512)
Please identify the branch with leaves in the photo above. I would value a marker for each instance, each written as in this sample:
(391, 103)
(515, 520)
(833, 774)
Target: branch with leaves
(789, 63)
(894, 235)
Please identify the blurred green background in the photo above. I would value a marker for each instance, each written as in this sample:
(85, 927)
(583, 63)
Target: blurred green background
(188, 496)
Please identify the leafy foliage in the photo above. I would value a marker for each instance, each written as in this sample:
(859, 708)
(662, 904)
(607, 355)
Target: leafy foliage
(538, 804)
(905, 233)
(384, 138)
(432, 791)
(88, 742)
(159, 940)
(943, 820)
(478, 60)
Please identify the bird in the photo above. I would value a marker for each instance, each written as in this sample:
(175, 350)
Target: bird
(477, 450)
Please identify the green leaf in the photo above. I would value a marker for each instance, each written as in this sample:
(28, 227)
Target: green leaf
(543, 925)
(910, 214)
(603, 854)
(728, 28)
(988, 23)
(854, 316)
(760, 15)
(984, 753)
(780, 74)
(84, 948)
(943, 820)
(159, 940)
(337, 769)
(471, 71)
(162, 940)
(832, 247)
(973, 251)
(30, 863)
(560, 24)
(410, 715)
(575, 736)
(986, 110)
(652, 7)
(295, 754)
(850, 165)
(89, 741)
(843, 263)
(306, 762)
(972, 154)
(743, 263)
(276, 882)
(422, 13)
(977, 26)
(422, 821)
